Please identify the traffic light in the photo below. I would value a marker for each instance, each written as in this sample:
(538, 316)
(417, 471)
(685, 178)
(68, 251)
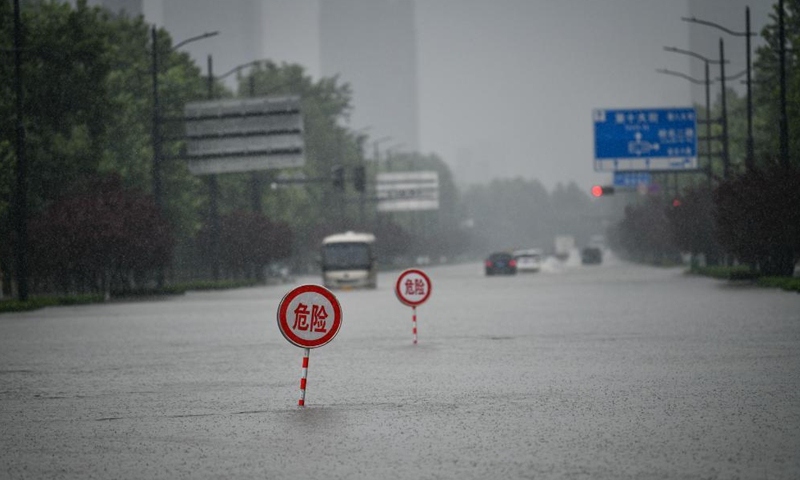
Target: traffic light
(602, 190)
(360, 178)
(337, 176)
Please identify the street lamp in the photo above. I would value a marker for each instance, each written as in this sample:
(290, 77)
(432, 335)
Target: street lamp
(255, 177)
(749, 156)
(241, 67)
(156, 133)
(724, 119)
(390, 154)
(375, 144)
(706, 61)
(707, 83)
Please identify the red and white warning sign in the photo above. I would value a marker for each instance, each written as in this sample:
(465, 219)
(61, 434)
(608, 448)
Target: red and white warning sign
(309, 316)
(413, 287)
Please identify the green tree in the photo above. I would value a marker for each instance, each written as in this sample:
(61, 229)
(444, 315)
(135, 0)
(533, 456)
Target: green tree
(249, 241)
(64, 69)
(326, 104)
(692, 221)
(644, 234)
(758, 218)
(97, 236)
(89, 107)
(766, 87)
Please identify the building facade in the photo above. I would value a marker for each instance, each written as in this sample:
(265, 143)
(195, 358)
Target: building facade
(371, 44)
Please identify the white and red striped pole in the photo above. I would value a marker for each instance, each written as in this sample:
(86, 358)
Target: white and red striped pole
(304, 375)
(414, 321)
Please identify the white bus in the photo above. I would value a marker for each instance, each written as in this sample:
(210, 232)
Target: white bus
(348, 261)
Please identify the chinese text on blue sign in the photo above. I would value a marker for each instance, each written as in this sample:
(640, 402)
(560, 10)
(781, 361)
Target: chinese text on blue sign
(645, 139)
(631, 179)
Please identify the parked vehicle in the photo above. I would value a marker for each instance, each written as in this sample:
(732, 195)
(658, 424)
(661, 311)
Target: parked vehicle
(591, 256)
(348, 261)
(529, 260)
(501, 263)
(564, 244)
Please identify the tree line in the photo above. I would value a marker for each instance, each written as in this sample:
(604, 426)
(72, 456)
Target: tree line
(752, 216)
(93, 224)
(90, 117)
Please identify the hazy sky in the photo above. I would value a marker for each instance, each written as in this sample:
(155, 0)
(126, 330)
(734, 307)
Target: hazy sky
(507, 87)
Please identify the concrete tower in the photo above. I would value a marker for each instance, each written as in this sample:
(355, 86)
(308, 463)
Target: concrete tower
(371, 44)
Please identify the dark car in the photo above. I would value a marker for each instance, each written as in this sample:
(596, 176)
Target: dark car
(591, 256)
(501, 263)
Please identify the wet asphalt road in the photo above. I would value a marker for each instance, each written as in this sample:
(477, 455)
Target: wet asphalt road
(605, 372)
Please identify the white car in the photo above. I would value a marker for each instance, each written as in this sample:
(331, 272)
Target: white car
(529, 260)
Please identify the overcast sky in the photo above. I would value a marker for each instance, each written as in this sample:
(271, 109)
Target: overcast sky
(507, 87)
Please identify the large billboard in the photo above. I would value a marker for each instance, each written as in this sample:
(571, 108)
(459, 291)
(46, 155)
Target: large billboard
(407, 191)
(245, 134)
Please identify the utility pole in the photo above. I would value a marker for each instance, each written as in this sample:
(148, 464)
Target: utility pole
(783, 122)
(21, 191)
(749, 159)
(725, 159)
(158, 193)
(213, 193)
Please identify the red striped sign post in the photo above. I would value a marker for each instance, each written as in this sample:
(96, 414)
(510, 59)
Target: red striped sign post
(309, 316)
(413, 288)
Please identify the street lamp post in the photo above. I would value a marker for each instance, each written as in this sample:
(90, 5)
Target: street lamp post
(156, 134)
(725, 158)
(255, 177)
(377, 152)
(707, 82)
(156, 128)
(724, 119)
(784, 118)
(390, 154)
(213, 193)
(749, 149)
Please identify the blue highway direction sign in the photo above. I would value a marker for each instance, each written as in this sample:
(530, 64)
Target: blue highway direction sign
(631, 179)
(645, 139)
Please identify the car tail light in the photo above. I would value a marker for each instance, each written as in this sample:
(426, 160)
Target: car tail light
(488, 263)
(513, 263)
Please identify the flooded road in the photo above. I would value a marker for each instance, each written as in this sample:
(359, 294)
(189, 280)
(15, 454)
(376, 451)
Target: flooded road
(611, 371)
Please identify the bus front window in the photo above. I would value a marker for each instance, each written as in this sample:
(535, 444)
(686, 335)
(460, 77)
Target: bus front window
(345, 256)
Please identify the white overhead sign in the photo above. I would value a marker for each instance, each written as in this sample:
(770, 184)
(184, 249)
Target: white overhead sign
(244, 134)
(405, 191)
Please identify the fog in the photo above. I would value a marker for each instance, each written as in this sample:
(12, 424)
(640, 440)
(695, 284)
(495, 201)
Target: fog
(503, 88)
(517, 98)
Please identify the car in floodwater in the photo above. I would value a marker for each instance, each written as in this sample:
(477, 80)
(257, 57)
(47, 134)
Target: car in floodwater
(591, 256)
(500, 263)
(528, 260)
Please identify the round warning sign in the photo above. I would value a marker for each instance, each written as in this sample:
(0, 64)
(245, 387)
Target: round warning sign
(413, 287)
(309, 316)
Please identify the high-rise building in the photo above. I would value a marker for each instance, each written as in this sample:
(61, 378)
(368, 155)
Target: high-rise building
(371, 44)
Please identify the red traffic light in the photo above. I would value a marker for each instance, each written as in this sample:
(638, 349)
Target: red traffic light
(599, 190)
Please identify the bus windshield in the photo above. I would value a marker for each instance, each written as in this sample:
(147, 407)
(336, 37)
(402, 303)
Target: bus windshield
(346, 256)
